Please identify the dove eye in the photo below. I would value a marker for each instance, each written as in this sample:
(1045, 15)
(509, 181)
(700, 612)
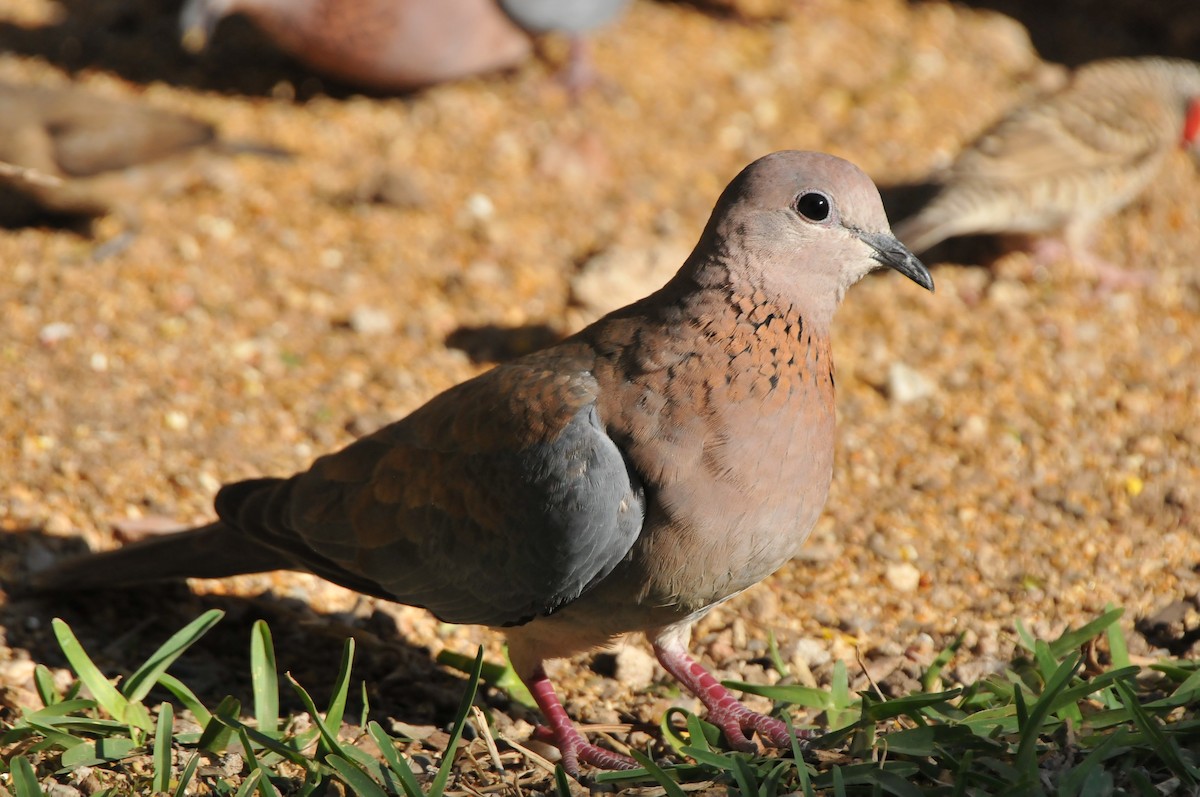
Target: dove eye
(813, 206)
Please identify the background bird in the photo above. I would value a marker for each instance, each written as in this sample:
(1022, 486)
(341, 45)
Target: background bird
(387, 45)
(69, 154)
(1055, 166)
(396, 45)
(575, 18)
(629, 478)
(70, 135)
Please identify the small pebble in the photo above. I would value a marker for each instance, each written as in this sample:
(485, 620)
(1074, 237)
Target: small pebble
(905, 384)
(55, 332)
(903, 576)
(371, 321)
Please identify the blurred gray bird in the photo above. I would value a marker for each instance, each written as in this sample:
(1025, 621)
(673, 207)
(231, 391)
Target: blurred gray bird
(387, 45)
(1060, 163)
(397, 45)
(576, 19)
(627, 479)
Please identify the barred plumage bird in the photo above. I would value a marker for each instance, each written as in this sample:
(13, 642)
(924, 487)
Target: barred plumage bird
(1058, 164)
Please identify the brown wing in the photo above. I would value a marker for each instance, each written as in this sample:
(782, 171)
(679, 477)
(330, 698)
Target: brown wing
(501, 499)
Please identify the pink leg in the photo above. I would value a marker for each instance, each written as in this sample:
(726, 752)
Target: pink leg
(580, 74)
(1110, 276)
(724, 710)
(563, 734)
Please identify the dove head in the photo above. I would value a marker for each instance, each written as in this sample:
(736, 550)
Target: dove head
(801, 228)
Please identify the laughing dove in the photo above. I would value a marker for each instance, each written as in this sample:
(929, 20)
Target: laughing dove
(385, 45)
(62, 141)
(1056, 166)
(66, 152)
(398, 45)
(626, 479)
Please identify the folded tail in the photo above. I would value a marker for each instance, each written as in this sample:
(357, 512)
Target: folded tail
(213, 551)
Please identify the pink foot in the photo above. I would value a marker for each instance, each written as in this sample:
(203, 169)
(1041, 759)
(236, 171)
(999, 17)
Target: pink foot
(1109, 276)
(563, 734)
(724, 710)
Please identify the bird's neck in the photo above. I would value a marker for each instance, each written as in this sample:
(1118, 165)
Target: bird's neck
(753, 291)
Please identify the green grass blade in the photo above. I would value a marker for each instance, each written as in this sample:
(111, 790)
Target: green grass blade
(55, 737)
(43, 681)
(1162, 745)
(1188, 691)
(561, 783)
(270, 743)
(499, 676)
(162, 747)
(744, 776)
(806, 787)
(58, 711)
(845, 708)
(892, 783)
(1025, 760)
(770, 786)
(1118, 650)
(700, 733)
(961, 774)
(360, 782)
(341, 688)
(1075, 780)
(250, 784)
(460, 721)
(216, 734)
(371, 765)
(395, 761)
(711, 758)
(185, 776)
(265, 787)
(264, 677)
(1024, 637)
(666, 726)
(24, 779)
(1047, 662)
(931, 675)
(88, 725)
(909, 705)
(138, 685)
(185, 696)
(776, 657)
(100, 751)
(793, 694)
(366, 706)
(664, 780)
(101, 688)
(1072, 639)
(329, 742)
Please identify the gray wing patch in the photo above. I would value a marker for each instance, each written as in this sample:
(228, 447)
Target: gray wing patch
(499, 537)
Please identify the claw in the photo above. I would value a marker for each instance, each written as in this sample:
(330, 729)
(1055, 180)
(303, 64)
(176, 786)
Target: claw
(724, 710)
(562, 733)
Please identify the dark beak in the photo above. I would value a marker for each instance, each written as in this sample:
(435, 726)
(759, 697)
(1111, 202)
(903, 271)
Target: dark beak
(893, 254)
(196, 26)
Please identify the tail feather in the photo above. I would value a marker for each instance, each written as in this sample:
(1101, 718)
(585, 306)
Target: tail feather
(213, 551)
(924, 231)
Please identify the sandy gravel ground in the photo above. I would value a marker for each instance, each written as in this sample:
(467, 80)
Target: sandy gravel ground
(1017, 446)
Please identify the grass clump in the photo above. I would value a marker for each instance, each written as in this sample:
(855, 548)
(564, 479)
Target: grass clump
(1048, 724)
